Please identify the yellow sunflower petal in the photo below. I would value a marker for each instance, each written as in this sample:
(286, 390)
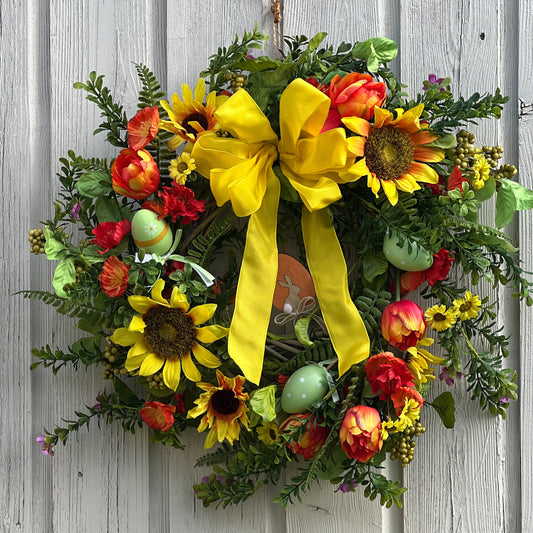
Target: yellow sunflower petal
(423, 137)
(428, 154)
(189, 368)
(152, 363)
(179, 300)
(356, 145)
(358, 125)
(140, 347)
(407, 183)
(141, 304)
(201, 313)
(199, 90)
(172, 373)
(409, 121)
(125, 337)
(423, 172)
(359, 170)
(212, 333)
(205, 357)
(134, 361)
(374, 183)
(187, 94)
(156, 293)
(390, 190)
(174, 143)
(211, 438)
(383, 117)
(137, 324)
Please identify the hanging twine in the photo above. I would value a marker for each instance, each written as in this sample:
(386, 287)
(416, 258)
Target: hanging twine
(276, 30)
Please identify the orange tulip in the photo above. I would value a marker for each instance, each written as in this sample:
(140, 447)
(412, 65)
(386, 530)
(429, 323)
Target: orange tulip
(158, 415)
(360, 434)
(311, 439)
(402, 324)
(135, 174)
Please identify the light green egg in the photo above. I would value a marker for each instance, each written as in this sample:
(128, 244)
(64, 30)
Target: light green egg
(150, 233)
(399, 256)
(305, 386)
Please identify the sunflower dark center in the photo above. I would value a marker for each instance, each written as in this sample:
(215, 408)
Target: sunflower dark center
(225, 402)
(195, 117)
(169, 331)
(439, 317)
(389, 152)
(465, 307)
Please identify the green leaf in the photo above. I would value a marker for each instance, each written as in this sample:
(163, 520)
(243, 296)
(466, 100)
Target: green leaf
(445, 141)
(125, 394)
(505, 206)
(94, 184)
(263, 402)
(301, 328)
(523, 196)
(486, 191)
(53, 247)
(444, 404)
(374, 264)
(375, 51)
(107, 210)
(64, 274)
(258, 64)
(316, 40)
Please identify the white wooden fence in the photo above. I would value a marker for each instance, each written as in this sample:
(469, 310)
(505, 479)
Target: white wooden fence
(475, 478)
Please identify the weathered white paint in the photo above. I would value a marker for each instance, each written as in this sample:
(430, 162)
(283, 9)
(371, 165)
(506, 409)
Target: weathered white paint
(478, 477)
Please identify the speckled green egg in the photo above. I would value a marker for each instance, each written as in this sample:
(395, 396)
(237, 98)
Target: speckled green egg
(150, 233)
(305, 386)
(418, 259)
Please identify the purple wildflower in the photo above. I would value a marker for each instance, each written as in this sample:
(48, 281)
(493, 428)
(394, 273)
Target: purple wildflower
(346, 487)
(46, 448)
(445, 376)
(75, 213)
(432, 78)
(505, 399)
(98, 405)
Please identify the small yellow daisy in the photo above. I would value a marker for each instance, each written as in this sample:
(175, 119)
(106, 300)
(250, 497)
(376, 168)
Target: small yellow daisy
(468, 307)
(439, 318)
(268, 433)
(180, 168)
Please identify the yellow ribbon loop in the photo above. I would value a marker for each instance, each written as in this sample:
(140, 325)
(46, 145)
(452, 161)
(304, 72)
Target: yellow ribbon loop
(240, 171)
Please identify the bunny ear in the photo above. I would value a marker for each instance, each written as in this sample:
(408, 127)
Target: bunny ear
(291, 273)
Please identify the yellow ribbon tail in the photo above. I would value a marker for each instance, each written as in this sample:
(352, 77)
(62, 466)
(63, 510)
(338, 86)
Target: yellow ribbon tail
(328, 269)
(257, 281)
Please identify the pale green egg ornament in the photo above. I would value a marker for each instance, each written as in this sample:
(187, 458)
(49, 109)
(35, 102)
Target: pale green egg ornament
(150, 233)
(399, 256)
(305, 386)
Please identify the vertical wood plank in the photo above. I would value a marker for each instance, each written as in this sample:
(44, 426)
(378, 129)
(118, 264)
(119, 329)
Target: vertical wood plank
(525, 100)
(468, 488)
(322, 509)
(15, 393)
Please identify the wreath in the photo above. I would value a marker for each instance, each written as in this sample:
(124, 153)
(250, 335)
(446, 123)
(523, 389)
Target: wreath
(247, 266)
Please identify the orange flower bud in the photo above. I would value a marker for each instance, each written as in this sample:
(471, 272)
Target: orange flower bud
(387, 374)
(135, 174)
(311, 439)
(356, 95)
(158, 415)
(403, 324)
(360, 435)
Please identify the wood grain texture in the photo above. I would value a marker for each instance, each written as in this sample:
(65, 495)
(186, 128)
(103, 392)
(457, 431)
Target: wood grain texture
(478, 477)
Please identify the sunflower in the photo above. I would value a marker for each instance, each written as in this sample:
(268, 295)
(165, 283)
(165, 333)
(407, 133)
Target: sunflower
(268, 433)
(190, 117)
(419, 361)
(393, 152)
(440, 318)
(223, 406)
(467, 307)
(165, 334)
(181, 167)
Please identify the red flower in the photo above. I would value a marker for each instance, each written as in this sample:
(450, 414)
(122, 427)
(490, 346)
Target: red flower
(409, 281)
(142, 128)
(356, 95)
(405, 393)
(360, 434)
(134, 174)
(180, 404)
(109, 234)
(322, 87)
(456, 180)
(403, 324)
(438, 271)
(387, 374)
(158, 415)
(114, 277)
(176, 201)
(282, 380)
(436, 188)
(311, 439)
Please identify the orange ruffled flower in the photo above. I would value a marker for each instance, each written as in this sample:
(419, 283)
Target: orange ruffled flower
(114, 277)
(392, 150)
(158, 415)
(360, 434)
(311, 439)
(134, 174)
(142, 128)
(224, 406)
(387, 374)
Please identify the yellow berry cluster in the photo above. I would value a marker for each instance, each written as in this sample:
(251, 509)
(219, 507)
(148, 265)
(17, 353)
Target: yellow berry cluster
(37, 241)
(114, 361)
(237, 81)
(404, 449)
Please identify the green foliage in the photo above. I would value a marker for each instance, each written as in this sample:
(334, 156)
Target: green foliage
(444, 404)
(150, 93)
(116, 122)
(86, 351)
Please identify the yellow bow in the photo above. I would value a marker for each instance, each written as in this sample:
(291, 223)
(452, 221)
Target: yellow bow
(240, 171)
